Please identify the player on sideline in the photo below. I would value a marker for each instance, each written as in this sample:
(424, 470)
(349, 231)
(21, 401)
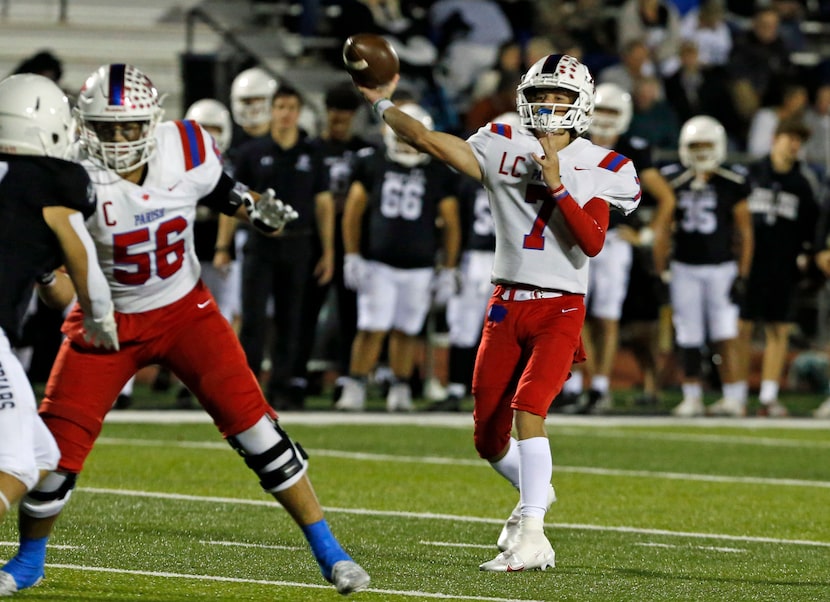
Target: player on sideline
(43, 203)
(149, 178)
(550, 191)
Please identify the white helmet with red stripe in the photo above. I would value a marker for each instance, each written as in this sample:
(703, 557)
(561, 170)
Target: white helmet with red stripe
(118, 110)
(556, 71)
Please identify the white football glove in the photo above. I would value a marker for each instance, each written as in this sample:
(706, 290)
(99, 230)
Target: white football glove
(445, 284)
(103, 331)
(269, 214)
(355, 271)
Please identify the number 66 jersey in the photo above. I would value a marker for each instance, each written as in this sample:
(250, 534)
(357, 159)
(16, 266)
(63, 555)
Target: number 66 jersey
(144, 232)
(534, 246)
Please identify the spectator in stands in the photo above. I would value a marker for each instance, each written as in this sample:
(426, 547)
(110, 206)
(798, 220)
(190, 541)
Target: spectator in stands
(657, 23)
(707, 27)
(784, 217)
(587, 23)
(759, 62)
(634, 64)
(501, 101)
(791, 15)
(762, 128)
(510, 60)
(537, 48)
(654, 119)
(695, 89)
(287, 161)
(712, 253)
(817, 119)
(469, 34)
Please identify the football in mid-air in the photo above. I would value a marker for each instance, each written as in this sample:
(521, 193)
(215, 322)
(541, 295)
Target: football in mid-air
(370, 60)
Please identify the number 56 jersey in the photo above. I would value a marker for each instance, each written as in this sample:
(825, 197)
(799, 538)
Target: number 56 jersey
(534, 245)
(144, 232)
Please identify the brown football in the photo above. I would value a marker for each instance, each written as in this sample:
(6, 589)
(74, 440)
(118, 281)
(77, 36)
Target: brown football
(370, 60)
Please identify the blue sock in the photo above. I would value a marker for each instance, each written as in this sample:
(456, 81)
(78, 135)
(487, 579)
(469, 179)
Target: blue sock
(324, 546)
(28, 564)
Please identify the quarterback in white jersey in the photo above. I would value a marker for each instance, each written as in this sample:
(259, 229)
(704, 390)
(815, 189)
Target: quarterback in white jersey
(550, 191)
(149, 177)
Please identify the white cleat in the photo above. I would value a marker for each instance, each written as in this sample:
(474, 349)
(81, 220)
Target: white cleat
(353, 397)
(823, 411)
(726, 407)
(689, 407)
(533, 552)
(509, 535)
(8, 585)
(349, 577)
(399, 398)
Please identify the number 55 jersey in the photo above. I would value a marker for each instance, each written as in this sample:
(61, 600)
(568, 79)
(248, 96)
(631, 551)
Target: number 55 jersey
(533, 243)
(144, 232)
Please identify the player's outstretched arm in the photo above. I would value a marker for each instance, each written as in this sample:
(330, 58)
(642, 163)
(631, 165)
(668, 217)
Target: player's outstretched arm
(452, 150)
(91, 286)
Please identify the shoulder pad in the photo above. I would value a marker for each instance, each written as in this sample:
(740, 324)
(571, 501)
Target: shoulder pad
(614, 161)
(502, 129)
(193, 143)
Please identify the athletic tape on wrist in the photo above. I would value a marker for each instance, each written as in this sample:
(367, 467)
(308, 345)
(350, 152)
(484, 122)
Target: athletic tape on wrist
(381, 105)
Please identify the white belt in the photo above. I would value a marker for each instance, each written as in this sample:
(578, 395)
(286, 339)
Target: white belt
(522, 294)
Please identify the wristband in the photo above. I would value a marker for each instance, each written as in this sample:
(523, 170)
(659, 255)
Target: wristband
(46, 279)
(381, 105)
(560, 193)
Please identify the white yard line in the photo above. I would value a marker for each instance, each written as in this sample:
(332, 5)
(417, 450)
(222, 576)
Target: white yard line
(453, 517)
(465, 420)
(165, 574)
(654, 544)
(240, 544)
(387, 458)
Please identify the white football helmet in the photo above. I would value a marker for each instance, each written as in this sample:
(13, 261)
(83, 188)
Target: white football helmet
(252, 93)
(614, 99)
(557, 71)
(212, 113)
(706, 130)
(35, 118)
(118, 94)
(399, 151)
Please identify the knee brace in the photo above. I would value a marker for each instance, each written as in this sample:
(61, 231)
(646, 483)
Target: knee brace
(269, 452)
(692, 358)
(50, 495)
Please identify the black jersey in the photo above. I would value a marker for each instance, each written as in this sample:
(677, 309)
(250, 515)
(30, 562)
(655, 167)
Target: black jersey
(28, 246)
(400, 227)
(639, 151)
(477, 228)
(296, 174)
(784, 217)
(704, 230)
(338, 157)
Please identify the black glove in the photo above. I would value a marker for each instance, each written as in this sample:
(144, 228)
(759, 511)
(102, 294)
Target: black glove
(737, 292)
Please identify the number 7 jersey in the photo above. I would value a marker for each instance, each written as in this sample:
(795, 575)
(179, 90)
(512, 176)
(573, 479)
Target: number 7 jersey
(144, 232)
(534, 246)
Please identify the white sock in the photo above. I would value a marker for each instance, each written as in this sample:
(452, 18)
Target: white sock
(692, 390)
(508, 466)
(769, 391)
(574, 384)
(536, 471)
(600, 383)
(735, 391)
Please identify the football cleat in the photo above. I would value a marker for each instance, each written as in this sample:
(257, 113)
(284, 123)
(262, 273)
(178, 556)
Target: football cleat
(399, 398)
(823, 411)
(348, 577)
(772, 410)
(532, 552)
(353, 397)
(8, 585)
(689, 407)
(726, 407)
(510, 531)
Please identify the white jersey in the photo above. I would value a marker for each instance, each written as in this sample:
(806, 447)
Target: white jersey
(534, 246)
(144, 233)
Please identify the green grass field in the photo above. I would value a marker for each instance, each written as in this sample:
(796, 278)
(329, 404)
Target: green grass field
(650, 508)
